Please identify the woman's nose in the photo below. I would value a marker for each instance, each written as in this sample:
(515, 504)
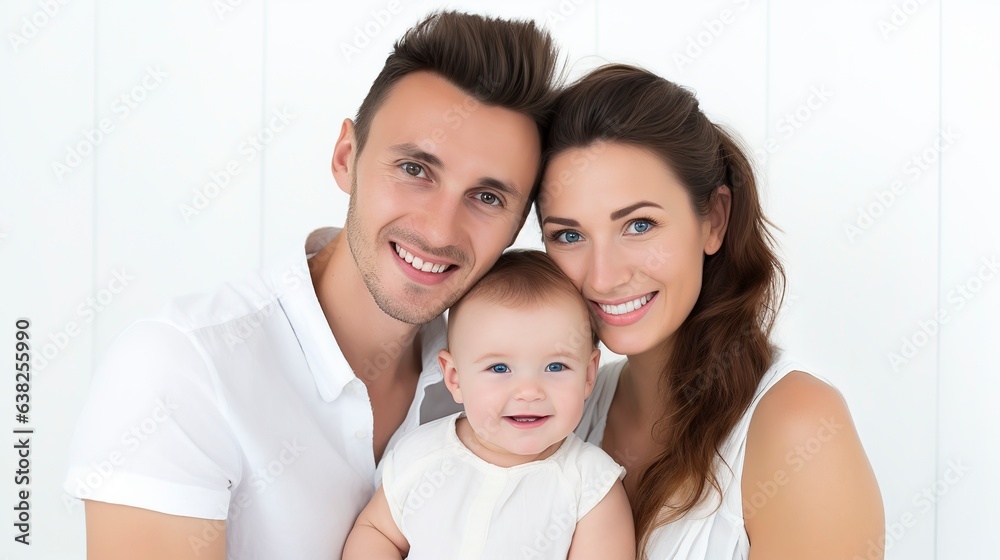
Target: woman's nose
(609, 269)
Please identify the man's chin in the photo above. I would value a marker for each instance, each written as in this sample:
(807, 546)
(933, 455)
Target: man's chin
(409, 311)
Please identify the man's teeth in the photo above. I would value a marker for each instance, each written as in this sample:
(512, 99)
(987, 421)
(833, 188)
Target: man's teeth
(418, 263)
(626, 307)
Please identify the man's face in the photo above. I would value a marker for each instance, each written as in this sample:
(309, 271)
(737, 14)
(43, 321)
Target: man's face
(437, 193)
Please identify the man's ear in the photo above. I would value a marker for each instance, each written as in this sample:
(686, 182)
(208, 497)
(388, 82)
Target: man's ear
(447, 363)
(718, 219)
(595, 361)
(343, 156)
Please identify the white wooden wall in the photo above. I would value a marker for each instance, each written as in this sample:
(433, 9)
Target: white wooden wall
(875, 125)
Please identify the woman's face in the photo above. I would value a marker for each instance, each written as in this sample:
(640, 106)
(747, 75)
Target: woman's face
(620, 224)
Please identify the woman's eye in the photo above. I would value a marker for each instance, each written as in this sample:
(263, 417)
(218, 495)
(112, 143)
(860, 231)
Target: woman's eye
(568, 237)
(555, 367)
(489, 199)
(639, 226)
(413, 169)
(500, 368)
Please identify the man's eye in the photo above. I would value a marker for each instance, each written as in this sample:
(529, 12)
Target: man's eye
(500, 368)
(489, 199)
(555, 367)
(413, 169)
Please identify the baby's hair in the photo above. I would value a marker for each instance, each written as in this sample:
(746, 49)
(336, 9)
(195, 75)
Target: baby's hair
(523, 277)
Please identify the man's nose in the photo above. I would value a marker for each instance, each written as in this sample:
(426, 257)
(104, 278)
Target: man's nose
(442, 223)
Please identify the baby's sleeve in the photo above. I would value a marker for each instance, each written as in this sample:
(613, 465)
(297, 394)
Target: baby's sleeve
(392, 488)
(403, 465)
(598, 474)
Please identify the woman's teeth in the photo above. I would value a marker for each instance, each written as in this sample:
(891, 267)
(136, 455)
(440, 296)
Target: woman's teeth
(418, 263)
(626, 307)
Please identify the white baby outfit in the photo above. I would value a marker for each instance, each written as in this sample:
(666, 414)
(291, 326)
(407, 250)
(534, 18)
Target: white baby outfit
(449, 503)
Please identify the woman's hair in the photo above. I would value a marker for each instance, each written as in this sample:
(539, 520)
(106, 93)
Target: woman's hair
(524, 278)
(722, 349)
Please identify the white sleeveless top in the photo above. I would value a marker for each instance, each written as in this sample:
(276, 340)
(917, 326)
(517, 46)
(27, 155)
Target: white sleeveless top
(706, 532)
(451, 504)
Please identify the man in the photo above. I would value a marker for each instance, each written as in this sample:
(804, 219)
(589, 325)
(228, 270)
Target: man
(249, 423)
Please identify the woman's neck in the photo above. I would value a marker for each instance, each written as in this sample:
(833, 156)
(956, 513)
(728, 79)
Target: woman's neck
(640, 388)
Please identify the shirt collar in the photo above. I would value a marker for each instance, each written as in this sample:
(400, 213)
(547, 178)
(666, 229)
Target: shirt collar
(295, 293)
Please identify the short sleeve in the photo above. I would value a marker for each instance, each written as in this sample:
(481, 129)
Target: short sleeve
(598, 474)
(153, 432)
(391, 488)
(407, 462)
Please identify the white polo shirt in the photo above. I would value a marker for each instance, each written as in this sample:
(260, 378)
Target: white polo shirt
(239, 405)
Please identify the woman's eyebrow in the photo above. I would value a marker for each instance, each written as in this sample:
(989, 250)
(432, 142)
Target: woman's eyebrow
(619, 214)
(561, 221)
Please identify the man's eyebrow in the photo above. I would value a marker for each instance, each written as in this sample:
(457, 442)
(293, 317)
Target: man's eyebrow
(619, 214)
(560, 221)
(502, 186)
(413, 151)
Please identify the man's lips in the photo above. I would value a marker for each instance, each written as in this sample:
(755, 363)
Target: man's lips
(436, 270)
(421, 262)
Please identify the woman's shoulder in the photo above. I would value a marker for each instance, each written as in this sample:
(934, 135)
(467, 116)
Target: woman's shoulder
(802, 440)
(791, 400)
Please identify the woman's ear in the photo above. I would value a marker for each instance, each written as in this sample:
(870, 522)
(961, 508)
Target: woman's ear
(447, 363)
(343, 156)
(718, 219)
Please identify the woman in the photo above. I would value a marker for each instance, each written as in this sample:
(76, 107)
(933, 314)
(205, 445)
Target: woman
(653, 211)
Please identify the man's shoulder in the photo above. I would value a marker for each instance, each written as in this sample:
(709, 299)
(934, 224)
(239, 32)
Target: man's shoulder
(228, 303)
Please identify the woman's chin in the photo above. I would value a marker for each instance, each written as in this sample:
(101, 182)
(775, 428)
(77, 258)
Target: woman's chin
(627, 345)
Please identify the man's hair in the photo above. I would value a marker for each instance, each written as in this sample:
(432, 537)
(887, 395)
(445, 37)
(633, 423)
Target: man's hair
(523, 278)
(504, 63)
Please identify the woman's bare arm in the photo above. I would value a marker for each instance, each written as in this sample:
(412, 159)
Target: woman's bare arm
(808, 488)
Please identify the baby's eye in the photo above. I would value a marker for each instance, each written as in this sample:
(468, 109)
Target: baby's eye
(500, 368)
(555, 367)
(413, 169)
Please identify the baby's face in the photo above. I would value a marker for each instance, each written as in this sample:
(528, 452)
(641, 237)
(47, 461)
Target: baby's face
(522, 373)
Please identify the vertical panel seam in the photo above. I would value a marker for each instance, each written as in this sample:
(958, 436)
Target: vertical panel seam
(93, 202)
(940, 246)
(263, 123)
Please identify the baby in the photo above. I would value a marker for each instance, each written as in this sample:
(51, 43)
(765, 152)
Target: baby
(507, 478)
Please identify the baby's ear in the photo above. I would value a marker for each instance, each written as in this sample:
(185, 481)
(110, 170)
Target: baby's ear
(595, 360)
(447, 363)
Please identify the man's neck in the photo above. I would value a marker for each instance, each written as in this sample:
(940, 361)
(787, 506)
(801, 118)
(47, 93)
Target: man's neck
(379, 348)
